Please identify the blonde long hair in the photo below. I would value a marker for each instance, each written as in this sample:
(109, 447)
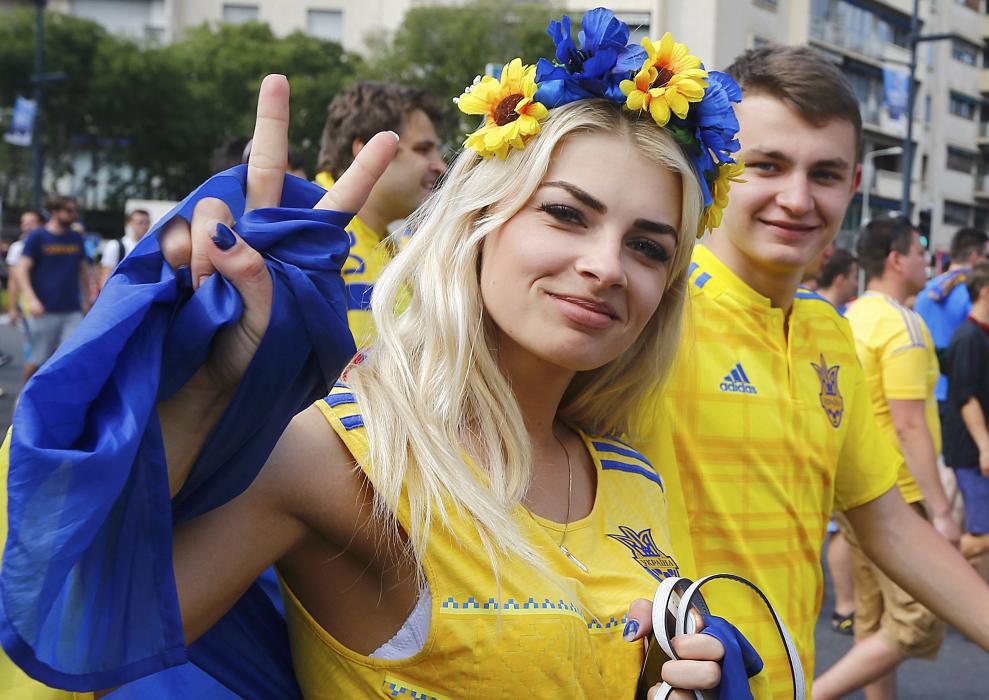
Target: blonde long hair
(443, 424)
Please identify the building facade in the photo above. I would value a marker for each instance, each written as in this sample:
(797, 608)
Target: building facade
(866, 38)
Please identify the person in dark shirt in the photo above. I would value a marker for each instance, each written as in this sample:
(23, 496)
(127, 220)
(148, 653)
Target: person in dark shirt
(53, 276)
(966, 435)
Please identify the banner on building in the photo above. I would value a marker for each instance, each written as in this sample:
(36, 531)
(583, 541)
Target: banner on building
(21, 122)
(896, 89)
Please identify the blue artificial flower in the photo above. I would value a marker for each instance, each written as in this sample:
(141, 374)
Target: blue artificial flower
(596, 69)
(714, 117)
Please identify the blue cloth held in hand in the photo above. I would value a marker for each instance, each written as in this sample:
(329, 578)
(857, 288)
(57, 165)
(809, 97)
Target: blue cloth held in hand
(87, 591)
(741, 660)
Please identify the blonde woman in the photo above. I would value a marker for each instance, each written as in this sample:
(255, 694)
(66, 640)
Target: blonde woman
(455, 519)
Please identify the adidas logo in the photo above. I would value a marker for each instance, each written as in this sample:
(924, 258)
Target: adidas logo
(737, 382)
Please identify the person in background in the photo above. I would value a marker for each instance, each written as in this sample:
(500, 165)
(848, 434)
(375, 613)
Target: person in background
(944, 302)
(965, 428)
(838, 280)
(137, 226)
(53, 274)
(901, 369)
(356, 114)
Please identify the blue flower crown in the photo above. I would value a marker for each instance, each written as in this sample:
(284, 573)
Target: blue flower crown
(659, 77)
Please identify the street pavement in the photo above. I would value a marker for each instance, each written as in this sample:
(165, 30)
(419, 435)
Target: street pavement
(961, 672)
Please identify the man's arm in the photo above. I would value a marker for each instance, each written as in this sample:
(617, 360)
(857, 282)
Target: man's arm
(975, 421)
(917, 447)
(13, 292)
(923, 563)
(23, 272)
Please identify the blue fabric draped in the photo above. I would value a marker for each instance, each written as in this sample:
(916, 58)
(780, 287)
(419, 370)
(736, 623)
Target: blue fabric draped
(87, 592)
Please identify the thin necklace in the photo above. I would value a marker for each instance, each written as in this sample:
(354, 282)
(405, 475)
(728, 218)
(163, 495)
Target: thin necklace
(566, 524)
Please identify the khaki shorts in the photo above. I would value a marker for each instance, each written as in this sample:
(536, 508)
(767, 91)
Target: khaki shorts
(882, 607)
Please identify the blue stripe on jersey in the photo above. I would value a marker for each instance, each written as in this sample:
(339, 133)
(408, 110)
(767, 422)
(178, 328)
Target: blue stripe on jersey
(351, 422)
(632, 469)
(691, 267)
(359, 296)
(702, 279)
(334, 400)
(626, 451)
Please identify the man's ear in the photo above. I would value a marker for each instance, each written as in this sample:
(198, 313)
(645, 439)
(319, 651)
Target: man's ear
(356, 147)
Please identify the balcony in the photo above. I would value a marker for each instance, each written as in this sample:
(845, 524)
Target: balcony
(982, 186)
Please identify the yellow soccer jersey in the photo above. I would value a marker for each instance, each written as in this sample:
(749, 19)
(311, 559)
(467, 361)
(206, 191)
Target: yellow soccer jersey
(897, 354)
(369, 254)
(539, 636)
(764, 427)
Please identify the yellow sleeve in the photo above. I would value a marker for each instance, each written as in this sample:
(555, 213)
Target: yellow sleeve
(905, 364)
(867, 463)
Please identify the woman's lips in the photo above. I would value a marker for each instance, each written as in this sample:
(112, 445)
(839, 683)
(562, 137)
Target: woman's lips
(586, 312)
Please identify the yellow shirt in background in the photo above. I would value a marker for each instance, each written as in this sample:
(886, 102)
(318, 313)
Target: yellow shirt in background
(899, 360)
(369, 254)
(764, 427)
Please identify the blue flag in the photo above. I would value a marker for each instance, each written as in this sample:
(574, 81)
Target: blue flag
(87, 591)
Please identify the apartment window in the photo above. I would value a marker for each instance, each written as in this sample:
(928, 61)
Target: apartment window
(956, 214)
(325, 24)
(857, 27)
(638, 25)
(965, 52)
(238, 14)
(759, 41)
(960, 160)
(962, 105)
(867, 84)
(971, 4)
(767, 4)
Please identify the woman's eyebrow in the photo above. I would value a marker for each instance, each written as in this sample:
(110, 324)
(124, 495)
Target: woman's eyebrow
(579, 194)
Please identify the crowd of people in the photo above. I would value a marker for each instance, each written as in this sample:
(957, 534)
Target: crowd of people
(557, 400)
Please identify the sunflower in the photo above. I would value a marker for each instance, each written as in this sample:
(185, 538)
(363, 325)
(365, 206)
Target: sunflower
(727, 174)
(669, 80)
(512, 115)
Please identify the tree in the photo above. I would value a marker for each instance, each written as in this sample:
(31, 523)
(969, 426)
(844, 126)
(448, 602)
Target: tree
(441, 48)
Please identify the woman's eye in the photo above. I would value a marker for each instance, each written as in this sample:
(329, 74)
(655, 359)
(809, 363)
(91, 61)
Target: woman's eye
(563, 213)
(651, 249)
(764, 167)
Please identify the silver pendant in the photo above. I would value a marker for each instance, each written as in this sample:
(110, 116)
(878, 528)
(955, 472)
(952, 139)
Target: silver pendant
(575, 560)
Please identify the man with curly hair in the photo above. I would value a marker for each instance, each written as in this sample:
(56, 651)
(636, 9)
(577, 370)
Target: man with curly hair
(353, 117)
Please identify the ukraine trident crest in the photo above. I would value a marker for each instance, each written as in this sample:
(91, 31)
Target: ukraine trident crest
(831, 399)
(646, 553)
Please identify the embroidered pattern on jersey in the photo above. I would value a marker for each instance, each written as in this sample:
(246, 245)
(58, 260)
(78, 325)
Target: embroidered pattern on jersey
(831, 399)
(397, 688)
(645, 552)
(737, 382)
(474, 606)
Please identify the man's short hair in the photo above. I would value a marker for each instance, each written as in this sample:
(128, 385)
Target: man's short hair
(361, 111)
(976, 279)
(965, 241)
(840, 263)
(803, 79)
(59, 202)
(138, 211)
(878, 239)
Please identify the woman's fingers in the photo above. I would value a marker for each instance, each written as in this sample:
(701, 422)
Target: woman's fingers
(209, 212)
(692, 674)
(699, 647)
(176, 243)
(269, 148)
(349, 193)
(639, 623)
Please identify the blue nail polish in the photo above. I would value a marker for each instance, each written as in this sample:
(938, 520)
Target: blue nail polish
(183, 277)
(631, 629)
(224, 238)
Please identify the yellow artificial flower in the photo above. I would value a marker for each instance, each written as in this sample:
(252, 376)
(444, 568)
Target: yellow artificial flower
(669, 80)
(727, 174)
(512, 116)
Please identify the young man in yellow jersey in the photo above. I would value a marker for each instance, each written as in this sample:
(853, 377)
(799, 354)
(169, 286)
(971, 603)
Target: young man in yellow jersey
(766, 424)
(353, 117)
(901, 370)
